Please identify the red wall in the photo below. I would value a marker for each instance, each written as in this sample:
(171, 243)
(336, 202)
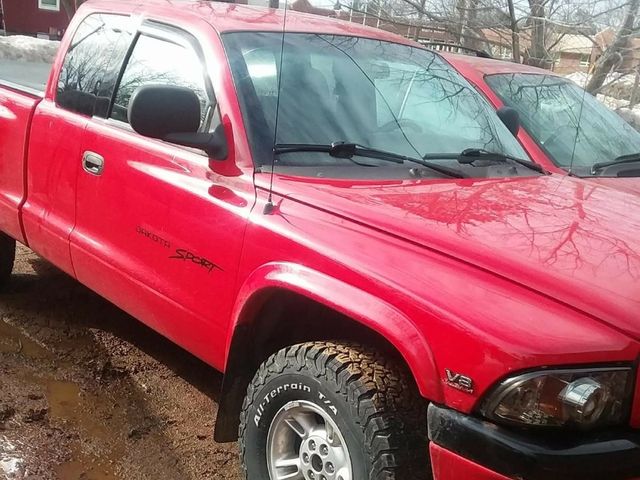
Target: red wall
(24, 16)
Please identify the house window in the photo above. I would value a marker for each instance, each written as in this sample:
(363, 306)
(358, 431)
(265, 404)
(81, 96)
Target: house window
(584, 59)
(49, 5)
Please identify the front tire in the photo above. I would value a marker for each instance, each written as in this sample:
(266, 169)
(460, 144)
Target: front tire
(333, 411)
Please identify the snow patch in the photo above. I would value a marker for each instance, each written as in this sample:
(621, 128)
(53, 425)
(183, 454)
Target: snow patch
(631, 116)
(615, 95)
(616, 85)
(28, 49)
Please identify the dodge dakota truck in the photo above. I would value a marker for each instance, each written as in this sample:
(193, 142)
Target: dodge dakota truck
(333, 217)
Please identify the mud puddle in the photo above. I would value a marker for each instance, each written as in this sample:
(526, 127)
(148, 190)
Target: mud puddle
(13, 341)
(88, 393)
(62, 405)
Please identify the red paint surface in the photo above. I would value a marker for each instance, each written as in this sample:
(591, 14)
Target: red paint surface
(483, 277)
(16, 111)
(24, 16)
(449, 466)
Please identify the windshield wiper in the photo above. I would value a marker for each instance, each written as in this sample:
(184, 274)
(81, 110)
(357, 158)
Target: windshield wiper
(348, 150)
(470, 155)
(622, 159)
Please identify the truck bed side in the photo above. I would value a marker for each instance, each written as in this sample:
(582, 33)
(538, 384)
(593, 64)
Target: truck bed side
(16, 113)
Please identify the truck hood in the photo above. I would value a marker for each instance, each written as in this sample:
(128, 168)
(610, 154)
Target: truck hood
(570, 239)
(625, 184)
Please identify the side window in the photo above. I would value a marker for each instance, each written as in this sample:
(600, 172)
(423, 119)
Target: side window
(91, 65)
(162, 62)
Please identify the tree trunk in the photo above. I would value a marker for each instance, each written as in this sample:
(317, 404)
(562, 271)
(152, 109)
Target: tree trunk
(470, 41)
(515, 33)
(538, 54)
(461, 7)
(615, 51)
(416, 36)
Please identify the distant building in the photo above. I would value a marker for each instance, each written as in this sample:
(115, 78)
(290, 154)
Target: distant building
(44, 18)
(572, 53)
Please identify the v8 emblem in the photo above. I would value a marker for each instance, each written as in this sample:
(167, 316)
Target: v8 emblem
(458, 381)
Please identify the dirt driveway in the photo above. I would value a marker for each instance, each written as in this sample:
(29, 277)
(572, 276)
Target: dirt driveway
(87, 392)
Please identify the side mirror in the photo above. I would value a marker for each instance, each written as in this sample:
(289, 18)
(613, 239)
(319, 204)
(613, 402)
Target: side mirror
(511, 118)
(172, 114)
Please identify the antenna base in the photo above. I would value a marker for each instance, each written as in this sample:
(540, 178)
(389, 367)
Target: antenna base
(269, 207)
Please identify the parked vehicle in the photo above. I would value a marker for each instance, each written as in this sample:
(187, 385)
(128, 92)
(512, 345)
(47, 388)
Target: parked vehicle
(565, 129)
(334, 218)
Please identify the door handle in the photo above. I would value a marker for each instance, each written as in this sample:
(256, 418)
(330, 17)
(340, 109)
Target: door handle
(92, 163)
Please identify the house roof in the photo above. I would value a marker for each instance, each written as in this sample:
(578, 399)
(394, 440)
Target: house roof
(574, 44)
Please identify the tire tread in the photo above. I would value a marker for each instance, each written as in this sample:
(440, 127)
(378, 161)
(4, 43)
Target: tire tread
(382, 396)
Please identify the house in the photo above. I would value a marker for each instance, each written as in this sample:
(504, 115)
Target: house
(43, 18)
(572, 53)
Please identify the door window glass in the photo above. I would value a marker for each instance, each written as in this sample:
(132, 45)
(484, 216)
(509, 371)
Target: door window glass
(156, 61)
(91, 65)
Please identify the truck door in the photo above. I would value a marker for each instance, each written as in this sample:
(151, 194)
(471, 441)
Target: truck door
(84, 86)
(158, 231)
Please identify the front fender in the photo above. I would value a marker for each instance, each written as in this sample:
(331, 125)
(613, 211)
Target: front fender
(369, 310)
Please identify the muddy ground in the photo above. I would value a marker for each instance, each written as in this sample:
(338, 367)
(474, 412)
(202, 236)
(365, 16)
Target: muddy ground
(87, 392)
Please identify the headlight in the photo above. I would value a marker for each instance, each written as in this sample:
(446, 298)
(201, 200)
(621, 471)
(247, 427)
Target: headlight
(556, 398)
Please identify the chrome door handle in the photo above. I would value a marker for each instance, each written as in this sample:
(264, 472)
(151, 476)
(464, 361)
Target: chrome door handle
(92, 163)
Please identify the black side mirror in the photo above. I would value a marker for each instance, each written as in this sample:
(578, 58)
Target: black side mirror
(511, 118)
(172, 114)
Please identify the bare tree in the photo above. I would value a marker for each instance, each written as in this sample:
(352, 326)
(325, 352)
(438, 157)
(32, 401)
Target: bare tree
(515, 32)
(615, 52)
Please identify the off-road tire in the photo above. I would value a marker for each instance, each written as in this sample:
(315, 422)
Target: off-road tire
(7, 258)
(379, 411)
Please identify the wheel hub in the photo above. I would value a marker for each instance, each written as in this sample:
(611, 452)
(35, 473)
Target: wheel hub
(319, 459)
(304, 443)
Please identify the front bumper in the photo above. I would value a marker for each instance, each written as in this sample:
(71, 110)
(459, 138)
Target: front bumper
(467, 447)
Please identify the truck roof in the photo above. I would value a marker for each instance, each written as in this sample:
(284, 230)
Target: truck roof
(228, 17)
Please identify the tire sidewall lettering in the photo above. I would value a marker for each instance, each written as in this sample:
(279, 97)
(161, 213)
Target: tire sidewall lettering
(286, 392)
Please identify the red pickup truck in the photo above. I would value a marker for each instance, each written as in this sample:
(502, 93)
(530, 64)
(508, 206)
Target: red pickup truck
(565, 130)
(333, 217)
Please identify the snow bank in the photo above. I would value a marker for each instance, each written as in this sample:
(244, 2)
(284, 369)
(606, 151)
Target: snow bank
(615, 95)
(616, 85)
(632, 117)
(621, 107)
(28, 49)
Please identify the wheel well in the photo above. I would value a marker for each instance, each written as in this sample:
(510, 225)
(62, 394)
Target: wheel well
(276, 319)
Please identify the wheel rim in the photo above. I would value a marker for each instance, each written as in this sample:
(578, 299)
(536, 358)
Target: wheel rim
(304, 443)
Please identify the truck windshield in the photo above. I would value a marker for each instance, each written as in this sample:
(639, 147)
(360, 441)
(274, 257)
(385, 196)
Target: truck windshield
(376, 94)
(552, 111)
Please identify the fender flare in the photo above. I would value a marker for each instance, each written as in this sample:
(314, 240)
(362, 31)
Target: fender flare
(361, 306)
